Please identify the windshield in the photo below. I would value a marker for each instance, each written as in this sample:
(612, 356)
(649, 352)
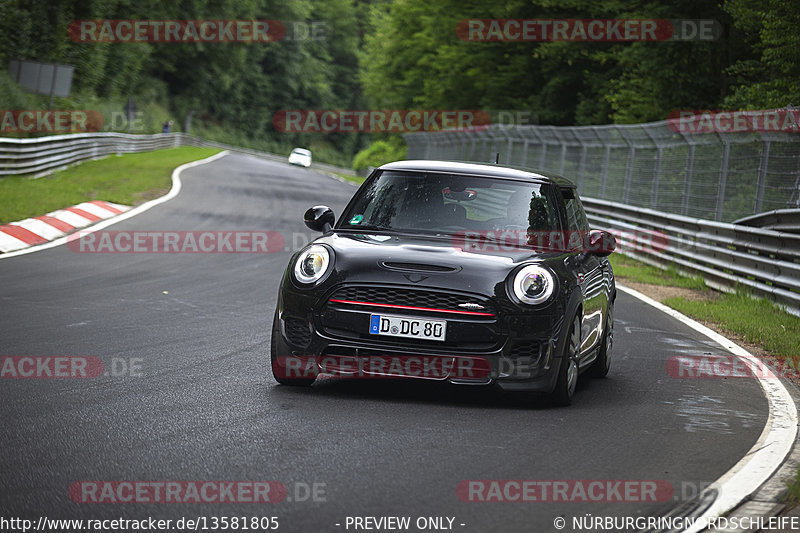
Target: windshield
(449, 204)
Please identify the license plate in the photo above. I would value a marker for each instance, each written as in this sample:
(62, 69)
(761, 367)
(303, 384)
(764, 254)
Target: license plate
(403, 326)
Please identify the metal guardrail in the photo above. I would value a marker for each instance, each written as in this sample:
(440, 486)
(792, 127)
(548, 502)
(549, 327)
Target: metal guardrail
(728, 256)
(778, 220)
(40, 155)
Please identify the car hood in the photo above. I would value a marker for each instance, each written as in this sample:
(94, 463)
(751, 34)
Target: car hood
(433, 262)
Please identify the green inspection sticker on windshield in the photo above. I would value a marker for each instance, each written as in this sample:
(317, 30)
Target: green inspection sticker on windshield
(357, 219)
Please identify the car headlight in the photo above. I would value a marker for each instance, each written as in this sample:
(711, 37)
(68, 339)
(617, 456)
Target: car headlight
(312, 264)
(533, 285)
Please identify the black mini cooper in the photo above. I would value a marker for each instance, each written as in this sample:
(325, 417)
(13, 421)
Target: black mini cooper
(469, 273)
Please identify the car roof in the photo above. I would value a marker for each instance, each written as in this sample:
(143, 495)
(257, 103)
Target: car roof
(478, 169)
(301, 151)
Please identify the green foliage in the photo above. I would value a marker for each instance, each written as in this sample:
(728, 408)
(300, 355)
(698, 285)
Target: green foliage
(379, 153)
(405, 54)
(234, 89)
(13, 96)
(412, 57)
(773, 79)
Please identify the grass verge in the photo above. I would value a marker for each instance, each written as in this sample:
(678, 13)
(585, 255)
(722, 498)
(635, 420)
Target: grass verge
(354, 179)
(753, 320)
(127, 179)
(632, 270)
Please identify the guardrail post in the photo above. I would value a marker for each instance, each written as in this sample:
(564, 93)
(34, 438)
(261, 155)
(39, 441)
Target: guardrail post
(606, 160)
(486, 145)
(626, 188)
(459, 144)
(582, 167)
(656, 178)
(795, 199)
(723, 178)
(533, 130)
(687, 181)
(525, 152)
(762, 176)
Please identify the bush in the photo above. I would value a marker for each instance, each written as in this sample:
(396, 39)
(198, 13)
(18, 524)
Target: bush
(379, 153)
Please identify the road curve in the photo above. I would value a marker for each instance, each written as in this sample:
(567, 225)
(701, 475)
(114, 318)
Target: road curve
(206, 408)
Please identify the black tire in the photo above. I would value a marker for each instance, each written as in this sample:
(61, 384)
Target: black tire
(602, 364)
(568, 369)
(278, 351)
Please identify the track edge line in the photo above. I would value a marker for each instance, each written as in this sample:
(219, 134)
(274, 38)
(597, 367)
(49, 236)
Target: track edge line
(770, 451)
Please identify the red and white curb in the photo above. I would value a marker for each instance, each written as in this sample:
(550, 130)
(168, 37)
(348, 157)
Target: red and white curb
(101, 224)
(33, 231)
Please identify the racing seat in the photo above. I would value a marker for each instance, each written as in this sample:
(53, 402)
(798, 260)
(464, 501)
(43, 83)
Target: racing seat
(423, 207)
(524, 211)
(454, 215)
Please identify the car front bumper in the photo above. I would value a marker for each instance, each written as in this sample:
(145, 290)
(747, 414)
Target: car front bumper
(517, 352)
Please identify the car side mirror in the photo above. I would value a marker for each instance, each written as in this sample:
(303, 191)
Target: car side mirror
(319, 218)
(600, 242)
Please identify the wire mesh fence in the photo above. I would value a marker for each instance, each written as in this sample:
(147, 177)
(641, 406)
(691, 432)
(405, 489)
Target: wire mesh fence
(712, 176)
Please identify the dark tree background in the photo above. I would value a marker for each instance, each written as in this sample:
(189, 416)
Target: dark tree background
(401, 54)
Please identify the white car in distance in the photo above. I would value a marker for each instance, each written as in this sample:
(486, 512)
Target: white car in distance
(301, 157)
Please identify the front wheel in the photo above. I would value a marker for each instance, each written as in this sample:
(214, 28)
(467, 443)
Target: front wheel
(568, 369)
(279, 354)
(602, 364)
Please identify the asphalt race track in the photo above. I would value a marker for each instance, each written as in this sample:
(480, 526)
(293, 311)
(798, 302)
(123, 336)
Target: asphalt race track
(205, 407)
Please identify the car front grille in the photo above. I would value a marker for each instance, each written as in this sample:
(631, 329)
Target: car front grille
(413, 298)
(473, 327)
